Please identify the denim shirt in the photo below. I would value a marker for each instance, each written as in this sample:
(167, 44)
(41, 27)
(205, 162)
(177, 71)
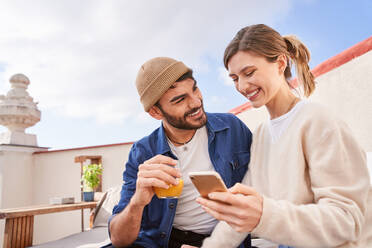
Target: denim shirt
(229, 142)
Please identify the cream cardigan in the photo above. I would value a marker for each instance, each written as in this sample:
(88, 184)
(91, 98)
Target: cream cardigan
(315, 184)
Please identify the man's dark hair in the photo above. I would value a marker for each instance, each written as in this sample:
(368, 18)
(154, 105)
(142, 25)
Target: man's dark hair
(187, 75)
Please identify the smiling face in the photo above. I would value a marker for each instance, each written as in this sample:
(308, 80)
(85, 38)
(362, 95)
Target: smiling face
(256, 78)
(181, 106)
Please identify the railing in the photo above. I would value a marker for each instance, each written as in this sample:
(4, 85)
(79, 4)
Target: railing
(19, 222)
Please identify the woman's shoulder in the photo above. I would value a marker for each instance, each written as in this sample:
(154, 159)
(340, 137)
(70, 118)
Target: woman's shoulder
(315, 111)
(316, 108)
(319, 118)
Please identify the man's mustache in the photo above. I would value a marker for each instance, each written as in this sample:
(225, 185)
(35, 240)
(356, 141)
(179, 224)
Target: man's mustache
(194, 110)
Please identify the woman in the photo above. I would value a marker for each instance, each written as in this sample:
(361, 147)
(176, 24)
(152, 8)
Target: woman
(308, 182)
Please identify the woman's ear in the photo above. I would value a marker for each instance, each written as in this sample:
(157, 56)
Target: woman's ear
(155, 112)
(282, 63)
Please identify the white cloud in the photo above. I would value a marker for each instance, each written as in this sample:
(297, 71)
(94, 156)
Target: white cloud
(82, 56)
(217, 100)
(224, 76)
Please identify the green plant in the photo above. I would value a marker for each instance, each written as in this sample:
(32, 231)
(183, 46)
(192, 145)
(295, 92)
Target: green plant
(90, 177)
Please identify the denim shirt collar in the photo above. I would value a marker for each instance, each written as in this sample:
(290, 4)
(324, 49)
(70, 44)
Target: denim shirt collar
(214, 125)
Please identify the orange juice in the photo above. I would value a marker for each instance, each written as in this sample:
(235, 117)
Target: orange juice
(174, 191)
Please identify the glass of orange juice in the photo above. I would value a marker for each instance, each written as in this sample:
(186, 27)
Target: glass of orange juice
(174, 191)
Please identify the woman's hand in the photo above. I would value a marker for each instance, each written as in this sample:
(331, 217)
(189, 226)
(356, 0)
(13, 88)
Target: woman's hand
(188, 246)
(241, 207)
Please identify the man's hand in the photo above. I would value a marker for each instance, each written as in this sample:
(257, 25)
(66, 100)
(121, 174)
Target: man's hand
(241, 208)
(158, 171)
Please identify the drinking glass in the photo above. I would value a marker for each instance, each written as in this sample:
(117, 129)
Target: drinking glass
(174, 191)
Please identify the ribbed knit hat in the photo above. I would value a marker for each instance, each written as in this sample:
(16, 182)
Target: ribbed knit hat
(155, 77)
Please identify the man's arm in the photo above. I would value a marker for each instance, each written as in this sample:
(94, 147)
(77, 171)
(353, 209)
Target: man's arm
(125, 226)
(155, 172)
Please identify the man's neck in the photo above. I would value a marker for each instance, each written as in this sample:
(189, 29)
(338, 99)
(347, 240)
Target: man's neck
(178, 136)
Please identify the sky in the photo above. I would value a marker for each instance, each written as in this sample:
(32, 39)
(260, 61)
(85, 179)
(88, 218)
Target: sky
(82, 57)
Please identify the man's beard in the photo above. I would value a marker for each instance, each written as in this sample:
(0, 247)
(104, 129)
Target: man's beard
(182, 123)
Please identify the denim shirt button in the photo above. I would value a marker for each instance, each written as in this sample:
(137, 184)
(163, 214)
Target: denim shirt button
(172, 205)
(163, 235)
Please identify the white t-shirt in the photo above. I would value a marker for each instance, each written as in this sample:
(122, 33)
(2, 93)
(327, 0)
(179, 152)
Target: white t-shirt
(193, 156)
(278, 125)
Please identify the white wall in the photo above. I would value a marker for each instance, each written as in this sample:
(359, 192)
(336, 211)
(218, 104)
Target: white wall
(56, 174)
(254, 117)
(347, 91)
(16, 171)
(15, 178)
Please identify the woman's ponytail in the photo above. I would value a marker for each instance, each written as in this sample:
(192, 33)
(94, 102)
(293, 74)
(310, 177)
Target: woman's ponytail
(300, 55)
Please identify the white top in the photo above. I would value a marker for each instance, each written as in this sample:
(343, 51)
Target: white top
(278, 125)
(193, 156)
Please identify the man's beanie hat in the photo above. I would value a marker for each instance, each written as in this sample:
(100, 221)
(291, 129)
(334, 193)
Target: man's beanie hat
(155, 77)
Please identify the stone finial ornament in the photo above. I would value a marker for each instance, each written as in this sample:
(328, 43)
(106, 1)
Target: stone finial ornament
(18, 111)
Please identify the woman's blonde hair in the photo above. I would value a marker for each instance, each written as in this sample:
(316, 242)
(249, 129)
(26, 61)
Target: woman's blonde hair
(265, 41)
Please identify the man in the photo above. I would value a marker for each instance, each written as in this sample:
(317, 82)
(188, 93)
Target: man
(189, 137)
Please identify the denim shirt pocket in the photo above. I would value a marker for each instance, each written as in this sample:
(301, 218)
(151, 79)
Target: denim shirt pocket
(239, 165)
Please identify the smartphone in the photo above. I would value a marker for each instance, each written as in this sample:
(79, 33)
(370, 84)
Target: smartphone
(207, 182)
